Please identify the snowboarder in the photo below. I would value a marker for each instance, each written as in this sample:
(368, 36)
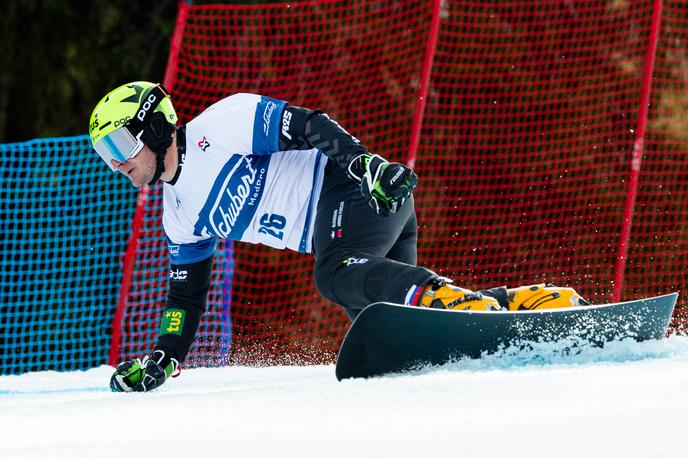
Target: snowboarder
(256, 169)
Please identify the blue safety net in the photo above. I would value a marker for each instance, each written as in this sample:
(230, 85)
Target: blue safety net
(65, 224)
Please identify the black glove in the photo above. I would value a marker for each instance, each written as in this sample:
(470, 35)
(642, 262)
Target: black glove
(385, 185)
(144, 374)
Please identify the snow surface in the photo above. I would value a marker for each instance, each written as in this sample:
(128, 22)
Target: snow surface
(626, 400)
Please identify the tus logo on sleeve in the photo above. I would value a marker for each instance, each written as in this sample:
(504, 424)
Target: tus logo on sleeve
(172, 321)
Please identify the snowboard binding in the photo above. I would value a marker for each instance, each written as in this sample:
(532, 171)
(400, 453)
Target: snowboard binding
(543, 296)
(442, 294)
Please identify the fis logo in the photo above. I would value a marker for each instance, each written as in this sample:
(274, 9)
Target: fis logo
(204, 144)
(352, 261)
(178, 274)
(286, 121)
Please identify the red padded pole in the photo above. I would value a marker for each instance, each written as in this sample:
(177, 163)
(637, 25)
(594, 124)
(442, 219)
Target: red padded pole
(175, 46)
(128, 261)
(426, 72)
(638, 148)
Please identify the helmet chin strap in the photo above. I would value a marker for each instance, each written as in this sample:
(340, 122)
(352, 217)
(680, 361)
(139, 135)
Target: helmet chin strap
(159, 167)
(157, 134)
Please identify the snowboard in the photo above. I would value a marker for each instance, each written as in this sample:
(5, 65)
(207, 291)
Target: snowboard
(387, 338)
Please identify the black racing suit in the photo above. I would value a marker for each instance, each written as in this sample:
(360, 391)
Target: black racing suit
(361, 257)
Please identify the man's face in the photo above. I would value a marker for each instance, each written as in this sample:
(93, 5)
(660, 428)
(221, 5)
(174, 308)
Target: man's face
(139, 169)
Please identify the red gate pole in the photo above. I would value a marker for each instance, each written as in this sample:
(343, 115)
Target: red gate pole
(426, 72)
(128, 261)
(175, 46)
(129, 258)
(638, 149)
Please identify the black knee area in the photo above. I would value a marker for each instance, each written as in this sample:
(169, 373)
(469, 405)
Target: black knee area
(323, 275)
(324, 281)
(328, 276)
(355, 280)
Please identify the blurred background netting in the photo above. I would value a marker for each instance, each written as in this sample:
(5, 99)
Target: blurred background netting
(527, 139)
(63, 223)
(525, 149)
(361, 65)
(658, 255)
(529, 122)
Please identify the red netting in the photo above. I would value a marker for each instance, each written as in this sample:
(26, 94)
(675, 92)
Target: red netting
(526, 140)
(524, 159)
(658, 258)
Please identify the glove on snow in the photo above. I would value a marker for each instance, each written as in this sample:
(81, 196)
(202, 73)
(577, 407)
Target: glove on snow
(144, 374)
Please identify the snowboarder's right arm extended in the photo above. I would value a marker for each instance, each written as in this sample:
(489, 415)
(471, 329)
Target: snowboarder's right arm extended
(385, 185)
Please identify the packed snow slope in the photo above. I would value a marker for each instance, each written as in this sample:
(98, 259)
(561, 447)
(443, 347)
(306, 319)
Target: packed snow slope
(626, 400)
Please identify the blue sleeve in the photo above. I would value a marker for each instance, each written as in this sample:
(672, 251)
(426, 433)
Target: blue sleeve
(190, 253)
(266, 126)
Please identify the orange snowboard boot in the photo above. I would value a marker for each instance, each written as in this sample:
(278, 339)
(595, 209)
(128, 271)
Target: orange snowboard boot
(542, 296)
(441, 294)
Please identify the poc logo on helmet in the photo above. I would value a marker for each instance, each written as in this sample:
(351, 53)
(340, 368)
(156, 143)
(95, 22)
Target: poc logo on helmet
(123, 121)
(141, 115)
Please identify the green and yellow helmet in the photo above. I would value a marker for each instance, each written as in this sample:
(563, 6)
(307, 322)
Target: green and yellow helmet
(119, 119)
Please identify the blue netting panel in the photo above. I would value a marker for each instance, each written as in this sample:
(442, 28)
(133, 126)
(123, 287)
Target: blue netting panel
(65, 224)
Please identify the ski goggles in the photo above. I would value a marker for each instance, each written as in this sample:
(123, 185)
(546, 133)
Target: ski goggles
(119, 145)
